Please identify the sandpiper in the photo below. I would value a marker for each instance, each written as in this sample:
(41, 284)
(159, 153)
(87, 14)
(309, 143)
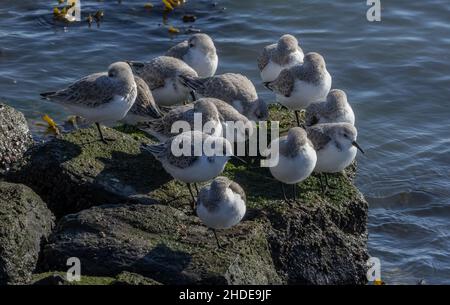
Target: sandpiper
(335, 145)
(296, 158)
(100, 97)
(198, 157)
(221, 205)
(207, 114)
(161, 75)
(236, 127)
(198, 52)
(278, 56)
(335, 109)
(299, 86)
(235, 89)
(144, 107)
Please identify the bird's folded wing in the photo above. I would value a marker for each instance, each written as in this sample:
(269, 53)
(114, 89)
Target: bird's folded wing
(318, 137)
(90, 91)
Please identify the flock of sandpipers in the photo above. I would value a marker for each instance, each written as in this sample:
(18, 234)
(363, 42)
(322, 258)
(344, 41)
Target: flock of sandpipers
(155, 95)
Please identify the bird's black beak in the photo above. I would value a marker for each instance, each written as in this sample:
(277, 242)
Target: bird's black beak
(357, 146)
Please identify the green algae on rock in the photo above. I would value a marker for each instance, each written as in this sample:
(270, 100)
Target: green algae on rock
(320, 239)
(76, 171)
(25, 222)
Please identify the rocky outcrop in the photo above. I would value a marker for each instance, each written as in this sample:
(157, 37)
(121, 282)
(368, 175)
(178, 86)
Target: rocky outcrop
(77, 171)
(162, 243)
(25, 222)
(132, 217)
(15, 137)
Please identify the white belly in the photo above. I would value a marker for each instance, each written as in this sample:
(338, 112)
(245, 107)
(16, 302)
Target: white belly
(295, 170)
(229, 213)
(306, 93)
(272, 69)
(110, 112)
(205, 66)
(332, 160)
(201, 171)
(172, 93)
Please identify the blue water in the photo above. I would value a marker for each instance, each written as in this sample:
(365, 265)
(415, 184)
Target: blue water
(396, 73)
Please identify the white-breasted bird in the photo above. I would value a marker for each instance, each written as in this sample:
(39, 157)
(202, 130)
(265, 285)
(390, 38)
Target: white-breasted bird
(101, 97)
(199, 52)
(335, 145)
(221, 204)
(294, 158)
(335, 109)
(192, 157)
(162, 77)
(233, 88)
(299, 86)
(278, 56)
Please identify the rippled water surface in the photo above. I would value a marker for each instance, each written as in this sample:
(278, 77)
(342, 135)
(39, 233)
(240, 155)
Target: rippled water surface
(395, 72)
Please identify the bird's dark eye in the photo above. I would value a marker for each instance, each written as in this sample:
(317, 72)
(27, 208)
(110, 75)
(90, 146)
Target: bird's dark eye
(111, 74)
(191, 45)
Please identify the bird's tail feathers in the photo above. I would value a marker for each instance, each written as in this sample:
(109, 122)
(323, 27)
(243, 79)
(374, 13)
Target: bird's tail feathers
(192, 83)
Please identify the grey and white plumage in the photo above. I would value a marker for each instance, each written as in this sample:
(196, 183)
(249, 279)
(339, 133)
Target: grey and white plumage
(222, 204)
(100, 97)
(299, 86)
(195, 166)
(335, 145)
(198, 52)
(162, 127)
(295, 155)
(235, 126)
(335, 109)
(233, 88)
(278, 56)
(144, 107)
(162, 77)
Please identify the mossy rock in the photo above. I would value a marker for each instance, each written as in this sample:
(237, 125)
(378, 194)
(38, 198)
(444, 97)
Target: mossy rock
(25, 222)
(59, 278)
(319, 239)
(162, 243)
(77, 171)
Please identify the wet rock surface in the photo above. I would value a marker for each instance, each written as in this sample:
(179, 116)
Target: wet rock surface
(25, 223)
(15, 137)
(120, 212)
(162, 243)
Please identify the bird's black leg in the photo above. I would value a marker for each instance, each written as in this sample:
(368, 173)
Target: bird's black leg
(326, 182)
(322, 186)
(194, 98)
(284, 192)
(196, 188)
(192, 196)
(217, 239)
(298, 119)
(294, 191)
(102, 138)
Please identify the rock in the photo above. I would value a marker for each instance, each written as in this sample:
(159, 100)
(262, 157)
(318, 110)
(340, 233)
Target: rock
(159, 242)
(320, 239)
(53, 280)
(128, 278)
(59, 278)
(25, 222)
(15, 137)
(77, 171)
